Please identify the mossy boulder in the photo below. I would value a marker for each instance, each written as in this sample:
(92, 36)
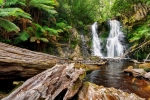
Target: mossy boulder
(145, 66)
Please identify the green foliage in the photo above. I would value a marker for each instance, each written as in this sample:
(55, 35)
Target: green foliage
(126, 7)
(46, 5)
(10, 2)
(140, 39)
(122, 6)
(8, 25)
(79, 11)
(141, 33)
(37, 33)
(24, 36)
(1, 2)
(7, 15)
(16, 12)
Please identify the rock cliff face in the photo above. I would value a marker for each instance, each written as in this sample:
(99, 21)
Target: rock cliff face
(139, 13)
(78, 45)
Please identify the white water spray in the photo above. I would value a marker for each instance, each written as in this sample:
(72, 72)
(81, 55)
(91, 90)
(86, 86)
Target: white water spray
(114, 46)
(96, 47)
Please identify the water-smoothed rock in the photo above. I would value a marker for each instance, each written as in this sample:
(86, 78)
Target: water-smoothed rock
(135, 72)
(91, 91)
(147, 75)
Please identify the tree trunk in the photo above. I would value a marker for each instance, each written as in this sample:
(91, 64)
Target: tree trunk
(61, 82)
(20, 64)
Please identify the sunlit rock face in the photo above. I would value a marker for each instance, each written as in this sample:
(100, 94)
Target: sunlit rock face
(91, 91)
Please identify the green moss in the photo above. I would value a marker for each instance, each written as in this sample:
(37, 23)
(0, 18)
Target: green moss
(76, 85)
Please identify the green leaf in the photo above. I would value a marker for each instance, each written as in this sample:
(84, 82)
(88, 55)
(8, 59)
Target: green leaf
(33, 39)
(46, 5)
(10, 2)
(1, 2)
(8, 25)
(24, 36)
(17, 12)
(51, 31)
(44, 39)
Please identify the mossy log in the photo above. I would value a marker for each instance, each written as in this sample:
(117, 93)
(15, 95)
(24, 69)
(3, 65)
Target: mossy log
(51, 83)
(20, 64)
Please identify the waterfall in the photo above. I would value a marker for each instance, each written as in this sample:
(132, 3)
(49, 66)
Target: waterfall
(114, 46)
(96, 47)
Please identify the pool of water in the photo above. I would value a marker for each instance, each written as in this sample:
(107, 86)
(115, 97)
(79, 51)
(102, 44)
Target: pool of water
(112, 75)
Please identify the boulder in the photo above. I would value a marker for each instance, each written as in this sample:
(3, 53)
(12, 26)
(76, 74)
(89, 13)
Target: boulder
(147, 75)
(135, 72)
(145, 66)
(90, 91)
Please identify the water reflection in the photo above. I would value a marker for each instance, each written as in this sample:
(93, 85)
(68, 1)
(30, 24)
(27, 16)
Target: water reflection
(111, 75)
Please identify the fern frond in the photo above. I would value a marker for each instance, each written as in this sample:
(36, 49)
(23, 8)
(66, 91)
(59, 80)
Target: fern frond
(46, 2)
(24, 36)
(8, 25)
(23, 15)
(21, 2)
(10, 2)
(17, 12)
(51, 31)
(33, 39)
(46, 5)
(44, 39)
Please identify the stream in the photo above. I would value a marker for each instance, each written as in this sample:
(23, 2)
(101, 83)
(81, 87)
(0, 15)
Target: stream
(112, 75)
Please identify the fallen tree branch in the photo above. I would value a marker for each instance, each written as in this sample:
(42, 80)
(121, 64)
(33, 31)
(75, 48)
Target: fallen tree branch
(20, 64)
(130, 50)
(50, 83)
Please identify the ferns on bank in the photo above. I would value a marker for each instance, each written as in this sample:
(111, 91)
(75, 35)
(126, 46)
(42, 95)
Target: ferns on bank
(8, 25)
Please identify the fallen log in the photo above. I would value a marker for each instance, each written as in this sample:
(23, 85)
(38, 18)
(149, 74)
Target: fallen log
(51, 83)
(63, 82)
(20, 64)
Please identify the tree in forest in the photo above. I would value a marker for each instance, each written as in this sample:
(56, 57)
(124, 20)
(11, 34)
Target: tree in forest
(80, 12)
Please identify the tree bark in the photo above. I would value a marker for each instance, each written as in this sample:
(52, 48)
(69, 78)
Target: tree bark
(51, 83)
(20, 64)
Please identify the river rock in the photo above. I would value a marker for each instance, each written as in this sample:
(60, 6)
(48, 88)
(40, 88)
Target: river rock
(147, 75)
(91, 91)
(145, 66)
(135, 72)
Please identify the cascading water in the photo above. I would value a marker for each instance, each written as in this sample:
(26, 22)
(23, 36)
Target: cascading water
(96, 47)
(114, 46)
